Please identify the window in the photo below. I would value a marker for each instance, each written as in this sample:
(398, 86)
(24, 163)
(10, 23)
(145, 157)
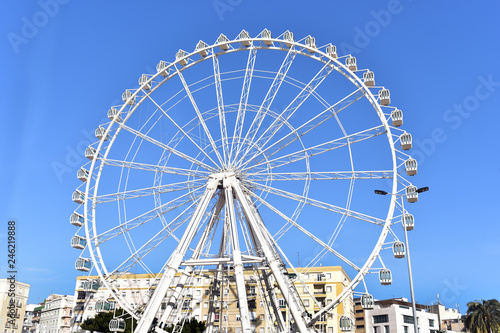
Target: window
(431, 322)
(262, 317)
(386, 329)
(405, 329)
(238, 317)
(375, 329)
(163, 306)
(328, 289)
(262, 330)
(207, 292)
(408, 319)
(380, 319)
(205, 305)
(306, 302)
(282, 303)
(328, 275)
(224, 318)
(252, 290)
(198, 293)
(216, 316)
(404, 307)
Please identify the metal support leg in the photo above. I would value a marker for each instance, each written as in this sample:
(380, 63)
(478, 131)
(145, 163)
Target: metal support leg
(175, 260)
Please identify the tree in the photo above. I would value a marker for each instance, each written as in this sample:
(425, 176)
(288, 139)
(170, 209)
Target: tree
(191, 326)
(483, 316)
(100, 322)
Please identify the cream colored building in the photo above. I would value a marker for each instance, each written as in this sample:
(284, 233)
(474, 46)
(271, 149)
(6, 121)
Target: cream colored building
(17, 307)
(325, 283)
(56, 314)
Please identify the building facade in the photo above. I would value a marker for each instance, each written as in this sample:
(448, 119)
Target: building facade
(55, 317)
(325, 283)
(394, 315)
(450, 319)
(28, 318)
(14, 297)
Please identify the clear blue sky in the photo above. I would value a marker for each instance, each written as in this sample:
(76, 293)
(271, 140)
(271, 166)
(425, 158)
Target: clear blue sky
(63, 66)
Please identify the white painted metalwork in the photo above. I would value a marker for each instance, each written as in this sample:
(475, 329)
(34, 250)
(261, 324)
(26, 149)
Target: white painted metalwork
(222, 169)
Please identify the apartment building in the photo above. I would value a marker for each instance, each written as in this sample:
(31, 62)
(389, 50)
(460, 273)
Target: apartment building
(55, 317)
(12, 305)
(393, 315)
(325, 283)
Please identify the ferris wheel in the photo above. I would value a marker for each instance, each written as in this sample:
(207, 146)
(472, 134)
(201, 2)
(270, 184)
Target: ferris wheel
(233, 158)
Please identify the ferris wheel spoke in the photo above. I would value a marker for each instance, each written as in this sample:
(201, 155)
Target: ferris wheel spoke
(322, 148)
(154, 241)
(327, 175)
(155, 168)
(146, 217)
(182, 130)
(297, 102)
(143, 192)
(247, 81)
(166, 147)
(305, 231)
(220, 107)
(199, 115)
(318, 204)
(268, 100)
(328, 113)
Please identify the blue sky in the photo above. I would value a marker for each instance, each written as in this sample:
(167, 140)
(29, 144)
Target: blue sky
(64, 65)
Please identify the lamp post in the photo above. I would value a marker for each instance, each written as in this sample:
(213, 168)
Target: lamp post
(410, 276)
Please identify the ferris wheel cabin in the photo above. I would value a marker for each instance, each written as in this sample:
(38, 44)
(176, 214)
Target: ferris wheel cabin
(78, 242)
(100, 133)
(411, 167)
(201, 48)
(385, 276)
(144, 82)
(83, 264)
(113, 115)
(90, 153)
(288, 37)
(411, 194)
(76, 219)
(408, 222)
(180, 56)
(83, 174)
(103, 306)
(117, 325)
(127, 97)
(78, 197)
(405, 139)
(162, 68)
(331, 50)
(311, 44)
(397, 117)
(245, 38)
(267, 36)
(367, 301)
(350, 62)
(223, 42)
(345, 324)
(369, 78)
(398, 248)
(384, 97)
(90, 286)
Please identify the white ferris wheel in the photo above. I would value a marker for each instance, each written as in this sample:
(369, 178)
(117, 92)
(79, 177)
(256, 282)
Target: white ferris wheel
(231, 159)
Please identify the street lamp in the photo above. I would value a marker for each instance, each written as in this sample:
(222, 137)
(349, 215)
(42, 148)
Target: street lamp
(413, 305)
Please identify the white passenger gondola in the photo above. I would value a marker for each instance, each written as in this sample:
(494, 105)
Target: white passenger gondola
(367, 301)
(128, 98)
(78, 197)
(267, 36)
(408, 222)
(311, 44)
(385, 276)
(117, 325)
(100, 133)
(144, 82)
(78, 242)
(288, 37)
(405, 139)
(90, 286)
(76, 219)
(411, 193)
(180, 56)
(398, 248)
(245, 38)
(201, 48)
(102, 306)
(162, 68)
(83, 264)
(397, 117)
(83, 174)
(345, 324)
(384, 97)
(331, 50)
(90, 153)
(223, 42)
(113, 115)
(350, 62)
(369, 78)
(411, 166)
